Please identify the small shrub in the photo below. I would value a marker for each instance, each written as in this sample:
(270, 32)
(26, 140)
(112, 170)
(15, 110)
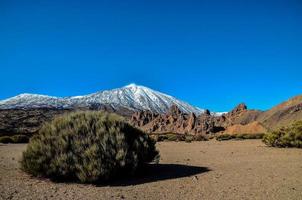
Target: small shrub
(6, 139)
(181, 137)
(224, 137)
(161, 138)
(249, 136)
(176, 137)
(243, 136)
(20, 139)
(172, 137)
(168, 137)
(285, 136)
(239, 136)
(200, 137)
(87, 147)
(189, 138)
(257, 136)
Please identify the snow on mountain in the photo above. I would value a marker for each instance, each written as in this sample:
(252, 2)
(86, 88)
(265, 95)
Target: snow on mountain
(218, 113)
(34, 101)
(132, 97)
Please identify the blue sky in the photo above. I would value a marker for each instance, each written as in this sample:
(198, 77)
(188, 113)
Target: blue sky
(212, 54)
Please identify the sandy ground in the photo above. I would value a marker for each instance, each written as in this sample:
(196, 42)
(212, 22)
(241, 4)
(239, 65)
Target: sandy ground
(199, 170)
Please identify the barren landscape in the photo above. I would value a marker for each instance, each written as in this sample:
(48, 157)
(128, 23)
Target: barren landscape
(155, 100)
(199, 170)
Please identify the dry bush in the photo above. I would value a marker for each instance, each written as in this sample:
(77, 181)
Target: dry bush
(290, 136)
(87, 147)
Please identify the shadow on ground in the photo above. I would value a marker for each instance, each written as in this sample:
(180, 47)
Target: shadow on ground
(158, 172)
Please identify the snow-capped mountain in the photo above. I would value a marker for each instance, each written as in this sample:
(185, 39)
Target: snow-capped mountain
(132, 97)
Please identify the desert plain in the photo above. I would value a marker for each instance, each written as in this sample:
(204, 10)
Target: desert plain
(245, 169)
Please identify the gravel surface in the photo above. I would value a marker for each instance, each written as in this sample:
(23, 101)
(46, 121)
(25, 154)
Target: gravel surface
(198, 170)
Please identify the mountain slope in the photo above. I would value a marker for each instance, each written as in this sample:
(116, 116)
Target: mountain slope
(34, 101)
(283, 114)
(132, 97)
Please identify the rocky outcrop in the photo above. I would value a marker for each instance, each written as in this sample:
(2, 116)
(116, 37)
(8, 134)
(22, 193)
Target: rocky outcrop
(250, 128)
(175, 121)
(142, 118)
(282, 114)
(240, 115)
(239, 120)
(238, 109)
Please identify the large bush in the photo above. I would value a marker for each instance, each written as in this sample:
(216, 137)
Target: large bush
(88, 147)
(290, 136)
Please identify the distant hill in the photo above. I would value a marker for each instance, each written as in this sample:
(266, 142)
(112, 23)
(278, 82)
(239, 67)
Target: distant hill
(282, 114)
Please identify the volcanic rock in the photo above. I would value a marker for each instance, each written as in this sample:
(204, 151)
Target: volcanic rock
(251, 128)
(175, 121)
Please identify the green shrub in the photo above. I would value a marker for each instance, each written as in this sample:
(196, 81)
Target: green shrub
(257, 136)
(6, 139)
(200, 137)
(239, 136)
(290, 136)
(20, 139)
(87, 147)
(178, 137)
(249, 136)
(159, 137)
(172, 137)
(224, 137)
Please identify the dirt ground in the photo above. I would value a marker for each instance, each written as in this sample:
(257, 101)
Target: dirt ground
(198, 170)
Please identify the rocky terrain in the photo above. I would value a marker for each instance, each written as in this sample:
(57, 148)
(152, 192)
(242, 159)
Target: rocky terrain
(280, 115)
(26, 122)
(254, 127)
(237, 121)
(283, 114)
(176, 121)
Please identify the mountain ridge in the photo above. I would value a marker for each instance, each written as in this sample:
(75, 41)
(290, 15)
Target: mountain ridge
(133, 97)
(28, 121)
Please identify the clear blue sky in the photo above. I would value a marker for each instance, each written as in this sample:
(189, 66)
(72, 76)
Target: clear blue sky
(212, 54)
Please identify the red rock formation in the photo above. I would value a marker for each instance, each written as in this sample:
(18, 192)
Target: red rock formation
(175, 121)
(251, 128)
(240, 115)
